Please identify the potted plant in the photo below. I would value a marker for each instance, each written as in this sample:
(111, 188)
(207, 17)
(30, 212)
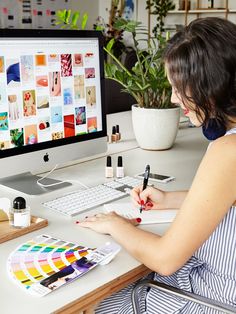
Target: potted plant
(155, 119)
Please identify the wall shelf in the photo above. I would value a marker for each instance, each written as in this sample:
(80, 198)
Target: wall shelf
(197, 11)
(176, 12)
(198, 8)
(201, 8)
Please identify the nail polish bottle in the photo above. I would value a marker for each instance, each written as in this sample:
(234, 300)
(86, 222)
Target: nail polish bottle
(109, 169)
(113, 135)
(120, 168)
(118, 135)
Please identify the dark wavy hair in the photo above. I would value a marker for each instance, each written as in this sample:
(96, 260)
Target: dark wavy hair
(201, 63)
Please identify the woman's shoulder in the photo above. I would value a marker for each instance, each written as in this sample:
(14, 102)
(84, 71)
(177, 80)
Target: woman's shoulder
(228, 140)
(224, 146)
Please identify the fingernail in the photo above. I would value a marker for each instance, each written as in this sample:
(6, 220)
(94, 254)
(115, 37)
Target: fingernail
(149, 204)
(77, 222)
(138, 220)
(142, 202)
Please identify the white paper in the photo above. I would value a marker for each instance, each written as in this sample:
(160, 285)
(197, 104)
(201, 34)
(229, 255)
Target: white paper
(128, 210)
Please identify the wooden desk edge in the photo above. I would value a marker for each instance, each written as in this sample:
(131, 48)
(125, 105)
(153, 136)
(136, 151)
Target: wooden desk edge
(90, 299)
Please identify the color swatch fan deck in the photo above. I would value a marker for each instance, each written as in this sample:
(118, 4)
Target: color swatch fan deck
(44, 263)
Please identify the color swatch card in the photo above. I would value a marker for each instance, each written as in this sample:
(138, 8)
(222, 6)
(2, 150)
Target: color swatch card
(128, 210)
(44, 263)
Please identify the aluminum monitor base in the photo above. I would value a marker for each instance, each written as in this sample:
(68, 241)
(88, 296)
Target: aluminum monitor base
(27, 183)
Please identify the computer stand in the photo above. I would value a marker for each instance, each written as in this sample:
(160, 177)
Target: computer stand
(27, 183)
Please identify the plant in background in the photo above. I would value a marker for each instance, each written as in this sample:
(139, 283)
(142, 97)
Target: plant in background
(147, 81)
(109, 30)
(159, 8)
(71, 20)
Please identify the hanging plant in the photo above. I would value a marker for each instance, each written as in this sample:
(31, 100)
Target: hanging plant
(160, 9)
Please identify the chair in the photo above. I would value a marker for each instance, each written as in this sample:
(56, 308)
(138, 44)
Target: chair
(224, 308)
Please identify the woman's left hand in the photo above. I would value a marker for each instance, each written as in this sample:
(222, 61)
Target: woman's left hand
(105, 223)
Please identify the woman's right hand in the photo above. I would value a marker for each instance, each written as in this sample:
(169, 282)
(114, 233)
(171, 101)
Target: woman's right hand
(151, 198)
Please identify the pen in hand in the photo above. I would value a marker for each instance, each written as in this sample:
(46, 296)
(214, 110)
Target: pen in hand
(145, 183)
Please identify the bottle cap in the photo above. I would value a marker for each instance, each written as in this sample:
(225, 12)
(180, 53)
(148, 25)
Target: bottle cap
(119, 161)
(113, 130)
(117, 129)
(108, 161)
(19, 203)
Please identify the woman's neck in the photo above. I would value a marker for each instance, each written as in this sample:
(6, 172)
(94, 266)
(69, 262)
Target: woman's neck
(231, 125)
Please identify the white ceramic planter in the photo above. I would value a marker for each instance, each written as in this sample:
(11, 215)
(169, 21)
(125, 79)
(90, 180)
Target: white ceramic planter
(155, 129)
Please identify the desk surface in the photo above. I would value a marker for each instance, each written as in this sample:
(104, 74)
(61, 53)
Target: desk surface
(181, 161)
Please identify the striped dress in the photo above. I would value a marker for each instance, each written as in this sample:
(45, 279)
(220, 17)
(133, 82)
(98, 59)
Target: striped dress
(210, 272)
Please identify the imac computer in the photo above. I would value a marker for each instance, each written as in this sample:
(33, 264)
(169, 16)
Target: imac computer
(51, 103)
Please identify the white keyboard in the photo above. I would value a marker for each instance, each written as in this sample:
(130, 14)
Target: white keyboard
(80, 201)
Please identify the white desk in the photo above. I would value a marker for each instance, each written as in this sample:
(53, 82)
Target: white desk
(181, 161)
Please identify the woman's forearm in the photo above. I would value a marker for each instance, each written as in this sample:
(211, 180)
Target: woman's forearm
(175, 199)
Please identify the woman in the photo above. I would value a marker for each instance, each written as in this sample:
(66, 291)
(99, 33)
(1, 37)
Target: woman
(197, 253)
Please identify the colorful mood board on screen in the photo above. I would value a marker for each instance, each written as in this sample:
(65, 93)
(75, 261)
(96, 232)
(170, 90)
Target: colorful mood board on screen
(49, 90)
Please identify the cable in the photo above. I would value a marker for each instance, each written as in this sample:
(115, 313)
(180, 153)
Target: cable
(76, 181)
(56, 183)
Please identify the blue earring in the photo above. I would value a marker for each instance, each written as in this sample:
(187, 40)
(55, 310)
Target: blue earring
(213, 130)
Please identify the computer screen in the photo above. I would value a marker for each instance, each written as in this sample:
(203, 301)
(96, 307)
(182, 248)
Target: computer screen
(51, 100)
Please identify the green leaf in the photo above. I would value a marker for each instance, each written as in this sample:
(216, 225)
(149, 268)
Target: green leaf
(119, 76)
(129, 26)
(67, 16)
(99, 28)
(84, 20)
(75, 18)
(129, 82)
(154, 84)
(60, 14)
(110, 44)
(120, 24)
(110, 69)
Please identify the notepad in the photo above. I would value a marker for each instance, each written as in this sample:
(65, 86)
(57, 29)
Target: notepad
(128, 210)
